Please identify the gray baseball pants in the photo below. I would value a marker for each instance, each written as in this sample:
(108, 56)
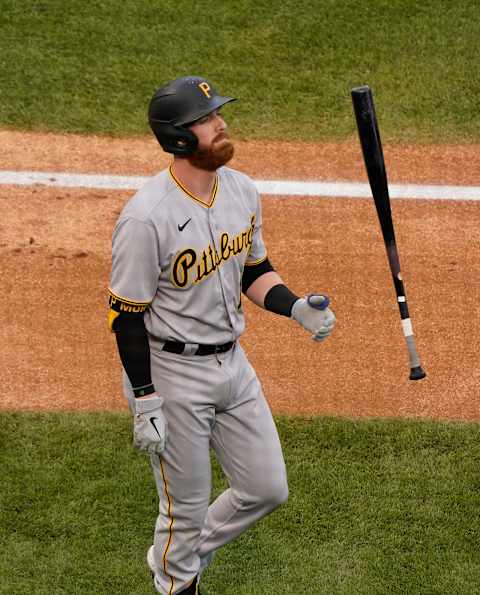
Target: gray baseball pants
(210, 401)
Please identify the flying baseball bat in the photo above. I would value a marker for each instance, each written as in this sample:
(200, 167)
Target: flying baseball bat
(377, 176)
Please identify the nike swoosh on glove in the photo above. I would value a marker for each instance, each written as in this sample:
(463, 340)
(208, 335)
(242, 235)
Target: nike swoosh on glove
(307, 312)
(149, 425)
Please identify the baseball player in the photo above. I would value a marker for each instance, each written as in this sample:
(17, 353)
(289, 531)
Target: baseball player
(184, 249)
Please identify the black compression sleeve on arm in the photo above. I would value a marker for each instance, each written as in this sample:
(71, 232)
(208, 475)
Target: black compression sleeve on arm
(280, 299)
(253, 271)
(134, 350)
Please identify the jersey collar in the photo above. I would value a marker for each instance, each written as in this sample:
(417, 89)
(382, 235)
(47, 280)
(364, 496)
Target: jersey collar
(191, 195)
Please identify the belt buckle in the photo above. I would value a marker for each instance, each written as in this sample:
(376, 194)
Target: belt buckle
(190, 349)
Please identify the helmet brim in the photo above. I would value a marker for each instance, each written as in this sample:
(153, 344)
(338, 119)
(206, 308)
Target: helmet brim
(213, 105)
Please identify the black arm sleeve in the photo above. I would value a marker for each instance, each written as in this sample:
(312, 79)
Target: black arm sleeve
(134, 350)
(252, 272)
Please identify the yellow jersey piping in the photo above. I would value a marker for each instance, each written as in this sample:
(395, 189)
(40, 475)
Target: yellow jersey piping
(127, 301)
(252, 264)
(191, 195)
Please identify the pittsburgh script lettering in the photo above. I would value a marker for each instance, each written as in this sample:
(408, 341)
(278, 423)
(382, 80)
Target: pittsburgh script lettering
(191, 267)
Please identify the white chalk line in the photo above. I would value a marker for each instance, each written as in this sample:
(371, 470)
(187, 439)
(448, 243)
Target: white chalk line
(334, 189)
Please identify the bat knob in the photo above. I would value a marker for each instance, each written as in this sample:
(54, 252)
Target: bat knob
(417, 373)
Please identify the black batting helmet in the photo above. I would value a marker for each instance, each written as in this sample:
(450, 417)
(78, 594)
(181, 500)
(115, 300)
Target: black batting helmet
(177, 104)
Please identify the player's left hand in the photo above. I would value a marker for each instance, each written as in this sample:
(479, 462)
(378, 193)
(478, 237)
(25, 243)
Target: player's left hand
(313, 313)
(149, 425)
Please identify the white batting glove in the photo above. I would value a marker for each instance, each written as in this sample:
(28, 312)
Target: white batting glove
(149, 425)
(313, 313)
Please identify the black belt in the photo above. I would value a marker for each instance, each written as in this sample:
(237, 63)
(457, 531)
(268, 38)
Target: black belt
(177, 347)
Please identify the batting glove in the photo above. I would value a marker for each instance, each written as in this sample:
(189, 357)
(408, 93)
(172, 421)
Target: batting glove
(313, 313)
(149, 425)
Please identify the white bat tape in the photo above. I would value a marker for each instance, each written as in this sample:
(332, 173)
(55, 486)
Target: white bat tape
(407, 327)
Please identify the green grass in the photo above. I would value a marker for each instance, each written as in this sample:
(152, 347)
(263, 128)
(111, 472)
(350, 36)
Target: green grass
(375, 507)
(90, 67)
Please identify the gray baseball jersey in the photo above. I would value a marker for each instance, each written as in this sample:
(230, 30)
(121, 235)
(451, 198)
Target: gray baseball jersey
(184, 259)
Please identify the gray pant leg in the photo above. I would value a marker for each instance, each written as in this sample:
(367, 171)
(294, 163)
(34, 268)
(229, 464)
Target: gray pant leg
(248, 448)
(183, 472)
(205, 401)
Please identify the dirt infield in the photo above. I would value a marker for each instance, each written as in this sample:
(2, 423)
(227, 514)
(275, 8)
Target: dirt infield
(57, 352)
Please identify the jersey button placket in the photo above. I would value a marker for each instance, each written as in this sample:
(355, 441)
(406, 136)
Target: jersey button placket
(214, 232)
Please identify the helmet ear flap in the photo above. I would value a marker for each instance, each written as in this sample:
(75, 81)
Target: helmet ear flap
(174, 139)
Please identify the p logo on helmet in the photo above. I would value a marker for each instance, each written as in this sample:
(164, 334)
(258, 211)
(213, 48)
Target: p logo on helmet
(205, 87)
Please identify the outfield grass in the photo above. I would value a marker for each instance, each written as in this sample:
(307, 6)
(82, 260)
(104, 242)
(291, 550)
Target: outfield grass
(375, 507)
(88, 67)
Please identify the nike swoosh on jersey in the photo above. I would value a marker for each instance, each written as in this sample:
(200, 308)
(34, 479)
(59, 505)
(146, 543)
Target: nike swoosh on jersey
(182, 227)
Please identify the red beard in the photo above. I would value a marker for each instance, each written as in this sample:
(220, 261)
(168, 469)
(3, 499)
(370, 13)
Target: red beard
(219, 153)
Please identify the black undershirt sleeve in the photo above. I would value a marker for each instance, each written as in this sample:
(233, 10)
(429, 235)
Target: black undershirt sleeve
(253, 271)
(134, 350)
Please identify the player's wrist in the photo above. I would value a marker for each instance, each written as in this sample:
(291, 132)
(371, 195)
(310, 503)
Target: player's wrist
(280, 299)
(141, 392)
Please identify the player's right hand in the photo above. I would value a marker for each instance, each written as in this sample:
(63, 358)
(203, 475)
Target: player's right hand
(313, 313)
(149, 425)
